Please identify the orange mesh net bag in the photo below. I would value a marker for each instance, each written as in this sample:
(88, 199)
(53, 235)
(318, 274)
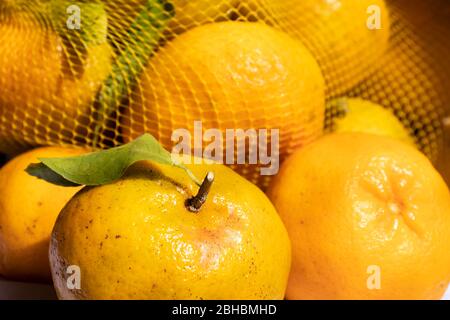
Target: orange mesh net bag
(101, 73)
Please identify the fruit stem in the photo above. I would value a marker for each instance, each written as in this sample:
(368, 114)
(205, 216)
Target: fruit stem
(195, 203)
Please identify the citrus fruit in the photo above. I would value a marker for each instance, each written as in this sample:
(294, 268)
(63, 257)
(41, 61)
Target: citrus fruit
(336, 32)
(230, 75)
(368, 217)
(136, 239)
(358, 115)
(28, 210)
(41, 97)
(413, 76)
(188, 14)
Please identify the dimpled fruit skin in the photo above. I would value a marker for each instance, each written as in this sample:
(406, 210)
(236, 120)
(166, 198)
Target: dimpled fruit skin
(37, 96)
(374, 202)
(28, 209)
(366, 116)
(336, 32)
(134, 239)
(231, 75)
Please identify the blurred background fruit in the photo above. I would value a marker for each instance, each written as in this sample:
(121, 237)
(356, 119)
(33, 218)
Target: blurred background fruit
(409, 78)
(231, 75)
(351, 201)
(160, 250)
(358, 115)
(335, 31)
(413, 78)
(28, 210)
(188, 14)
(44, 95)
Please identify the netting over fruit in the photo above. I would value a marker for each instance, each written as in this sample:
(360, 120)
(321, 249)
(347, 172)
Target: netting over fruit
(100, 73)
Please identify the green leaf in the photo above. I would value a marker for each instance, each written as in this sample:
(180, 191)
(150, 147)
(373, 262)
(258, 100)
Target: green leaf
(41, 171)
(104, 166)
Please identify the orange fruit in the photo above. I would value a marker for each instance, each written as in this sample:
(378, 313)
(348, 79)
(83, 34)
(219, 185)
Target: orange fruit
(187, 14)
(28, 209)
(413, 78)
(358, 115)
(336, 32)
(160, 250)
(368, 217)
(40, 99)
(190, 14)
(230, 75)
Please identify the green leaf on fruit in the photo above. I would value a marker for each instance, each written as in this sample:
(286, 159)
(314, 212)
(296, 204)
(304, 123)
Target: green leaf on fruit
(103, 167)
(41, 171)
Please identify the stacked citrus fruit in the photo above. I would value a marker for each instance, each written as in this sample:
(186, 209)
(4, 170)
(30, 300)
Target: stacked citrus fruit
(345, 101)
(231, 75)
(96, 76)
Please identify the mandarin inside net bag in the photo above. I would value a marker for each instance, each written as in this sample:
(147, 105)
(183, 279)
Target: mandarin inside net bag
(75, 86)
